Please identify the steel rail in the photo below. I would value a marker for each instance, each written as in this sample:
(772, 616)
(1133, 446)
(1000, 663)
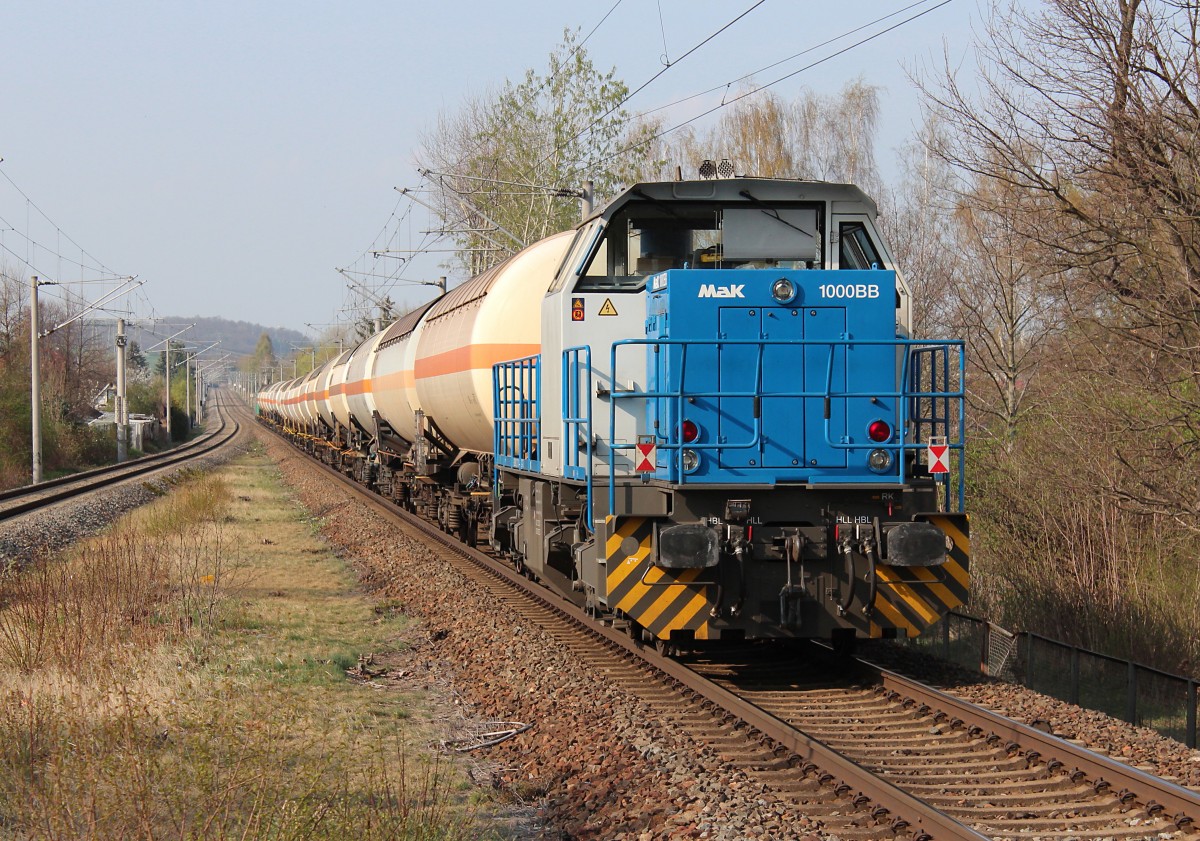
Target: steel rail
(1152, 793)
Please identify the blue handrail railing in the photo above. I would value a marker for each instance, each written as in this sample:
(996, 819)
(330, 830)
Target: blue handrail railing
(577, 419)
(909, 399)
(516, 398)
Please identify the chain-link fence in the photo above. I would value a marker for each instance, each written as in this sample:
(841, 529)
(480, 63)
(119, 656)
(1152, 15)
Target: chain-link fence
(1123, 689)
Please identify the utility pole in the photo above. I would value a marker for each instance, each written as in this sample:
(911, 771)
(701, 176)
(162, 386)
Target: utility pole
(35, 374)
(167, 395)
(585, 199)
(122, 413)
(167, 378)
(187, 387)
(36, 382)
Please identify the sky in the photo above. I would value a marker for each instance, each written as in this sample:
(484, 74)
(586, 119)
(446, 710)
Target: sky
(234, 155)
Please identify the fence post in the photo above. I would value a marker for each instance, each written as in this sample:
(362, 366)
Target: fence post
(983, 648)
(1131, 694)
(1075, 675)
(1029, 667)
(1191, 714)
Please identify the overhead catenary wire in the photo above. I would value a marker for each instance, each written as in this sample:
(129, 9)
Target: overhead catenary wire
(727, 101)
(545, 83)
(60, 288)
(563, 145)
(31, 203)
(761, 88)
(587, 37)
(747, 76)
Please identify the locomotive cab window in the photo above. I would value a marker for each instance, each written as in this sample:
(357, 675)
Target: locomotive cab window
(644, 239)
(856, 250)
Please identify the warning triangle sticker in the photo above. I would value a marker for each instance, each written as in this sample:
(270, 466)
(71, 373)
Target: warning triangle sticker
(608, 308)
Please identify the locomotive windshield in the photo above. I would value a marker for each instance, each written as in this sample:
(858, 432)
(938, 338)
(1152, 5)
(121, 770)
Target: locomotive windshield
(645, 238)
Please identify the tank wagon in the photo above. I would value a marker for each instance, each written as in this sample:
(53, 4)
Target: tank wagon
(700, 414)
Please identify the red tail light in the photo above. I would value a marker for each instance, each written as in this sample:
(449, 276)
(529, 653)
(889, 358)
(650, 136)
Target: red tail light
(688, 431)
(879, 431)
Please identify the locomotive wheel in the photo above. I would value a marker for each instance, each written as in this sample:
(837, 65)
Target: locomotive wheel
(636, 632)
(844, 643)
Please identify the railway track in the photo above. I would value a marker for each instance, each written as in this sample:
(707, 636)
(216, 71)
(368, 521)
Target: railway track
(870, 753)
(19, 501)
(1003, 778)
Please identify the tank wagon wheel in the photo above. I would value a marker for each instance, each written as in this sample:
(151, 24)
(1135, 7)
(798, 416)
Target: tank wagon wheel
(468, 531)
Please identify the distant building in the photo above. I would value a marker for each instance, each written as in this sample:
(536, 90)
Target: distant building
(142, 428)
(105, 397)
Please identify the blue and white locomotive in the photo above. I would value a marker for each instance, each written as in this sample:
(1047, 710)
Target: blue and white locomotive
(725, 432)
(700, 415)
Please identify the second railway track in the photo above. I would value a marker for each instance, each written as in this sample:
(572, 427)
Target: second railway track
(873, 756)
(24, 500)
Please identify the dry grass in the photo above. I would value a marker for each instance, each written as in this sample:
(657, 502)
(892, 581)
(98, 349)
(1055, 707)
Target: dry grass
(181, 678)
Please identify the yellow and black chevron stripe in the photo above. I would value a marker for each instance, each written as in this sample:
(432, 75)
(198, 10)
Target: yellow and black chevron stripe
(913, 598)
(660, 600)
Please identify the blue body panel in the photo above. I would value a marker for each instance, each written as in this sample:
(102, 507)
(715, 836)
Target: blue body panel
(782, 392)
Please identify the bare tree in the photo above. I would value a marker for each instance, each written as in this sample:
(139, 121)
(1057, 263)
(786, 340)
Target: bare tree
(1007, 306)
(1089, 119)
(922, 226)
(827, 138)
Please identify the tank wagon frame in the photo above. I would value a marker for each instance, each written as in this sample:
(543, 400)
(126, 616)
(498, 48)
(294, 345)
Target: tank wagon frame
(701, 414)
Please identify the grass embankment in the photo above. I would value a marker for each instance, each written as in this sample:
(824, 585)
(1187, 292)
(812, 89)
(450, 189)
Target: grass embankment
(183, 676)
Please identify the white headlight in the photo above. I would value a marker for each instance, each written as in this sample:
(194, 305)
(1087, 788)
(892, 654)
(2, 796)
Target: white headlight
(783, 290)
(879, 461)
(691, 460)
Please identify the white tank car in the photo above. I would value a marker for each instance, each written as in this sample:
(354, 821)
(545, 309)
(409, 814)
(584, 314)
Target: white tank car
(296, 400)
(359, 389)
(266, 400)
(338, 404)
(324, 410)
(285, 400)
(275, 394)
(308, 389)
(491, 318)
(392, 380)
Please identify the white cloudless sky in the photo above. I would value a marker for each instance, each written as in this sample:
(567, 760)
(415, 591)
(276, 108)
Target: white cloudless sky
(234, 154)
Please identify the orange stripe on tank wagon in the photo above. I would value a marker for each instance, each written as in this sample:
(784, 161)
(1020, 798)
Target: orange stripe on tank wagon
(397, 379)
(469, 358)
(358, 387)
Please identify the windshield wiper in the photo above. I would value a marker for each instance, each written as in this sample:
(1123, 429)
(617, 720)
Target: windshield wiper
(774, 213)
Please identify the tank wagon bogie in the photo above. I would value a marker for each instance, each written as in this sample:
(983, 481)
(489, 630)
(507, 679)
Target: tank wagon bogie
(700, 414)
